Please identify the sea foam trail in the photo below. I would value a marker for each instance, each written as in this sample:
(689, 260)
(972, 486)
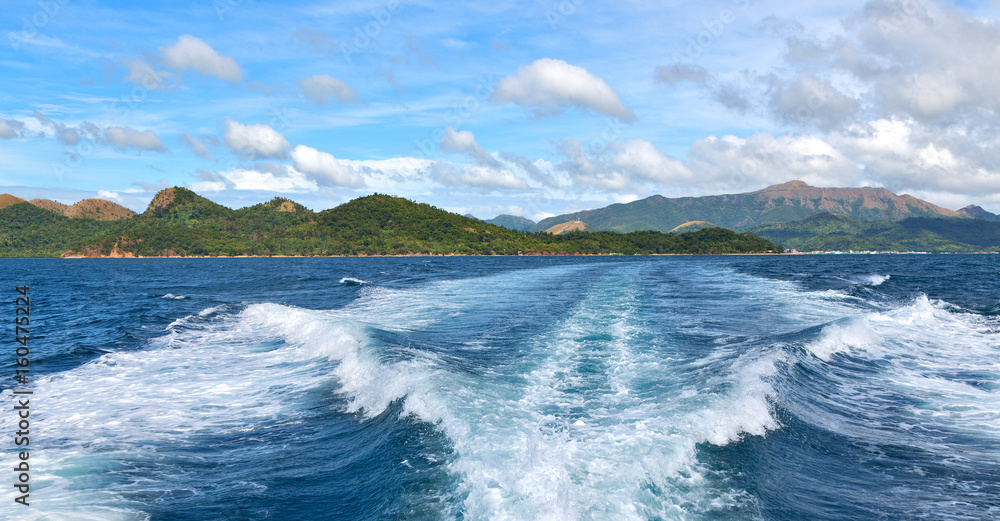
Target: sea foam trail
(597, 415)
(591, 421)
(210, 375)
(937, 356)
(922, 375)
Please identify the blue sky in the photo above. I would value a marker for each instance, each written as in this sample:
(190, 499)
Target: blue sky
(531, 108)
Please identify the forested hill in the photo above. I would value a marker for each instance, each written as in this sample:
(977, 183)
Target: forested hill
(786, 202)
(179, 222)
(826, 232)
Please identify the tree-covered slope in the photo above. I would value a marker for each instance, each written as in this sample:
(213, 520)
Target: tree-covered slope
(179, 222)
(834, 232)
(512, 222)
(786, 202)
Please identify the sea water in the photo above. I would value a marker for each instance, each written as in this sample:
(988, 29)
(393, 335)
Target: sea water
(562, 388)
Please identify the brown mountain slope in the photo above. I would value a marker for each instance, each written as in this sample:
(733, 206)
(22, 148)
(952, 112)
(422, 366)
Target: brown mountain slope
(99, 209)
(50, 205)
(572, 226)
(162, 199)
(7, 200)
(847, 200)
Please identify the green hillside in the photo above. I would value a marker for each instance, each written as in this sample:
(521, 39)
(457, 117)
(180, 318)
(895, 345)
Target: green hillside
(834, 232)
(179, 222)
(786, 202)
(512, 222)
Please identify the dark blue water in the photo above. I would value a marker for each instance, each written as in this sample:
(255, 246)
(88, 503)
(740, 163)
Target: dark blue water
(742, 387)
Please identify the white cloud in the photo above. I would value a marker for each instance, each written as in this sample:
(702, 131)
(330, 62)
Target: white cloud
(623, 198)
(109, 195)
(808, 101)
(321, 87)
(325, 168)
(629, 169)
(193, 53)
(199, 146)
(256, 141)
(464, 142)
(11, 128)
(268, 178)
(66, 134)
(482, 177)
(912, 156)
(623, 165)
(122, 138)
(142, 73)
(730, 163)
(119, 138)
(549, 85)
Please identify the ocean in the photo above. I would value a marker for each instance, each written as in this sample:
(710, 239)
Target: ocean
(835, 387)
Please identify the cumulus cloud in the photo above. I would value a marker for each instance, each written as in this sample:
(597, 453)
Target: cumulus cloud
(65, 134)
(122, 138)
(258, 140)
(192, 53)
(11, 128)
(714, 165)
(622, 166)
(482, 177)
(532, 168)
(549, 85)
(321, 87)
(809, 101)
(264, 177)
(903, 97)
(464, 142)
(118, 138)
(906, 155)
(730, 162)
(203, 147)
(325, 168)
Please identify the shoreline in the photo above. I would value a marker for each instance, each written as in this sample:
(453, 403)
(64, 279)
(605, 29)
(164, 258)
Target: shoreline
(789, 254)
(78, 257)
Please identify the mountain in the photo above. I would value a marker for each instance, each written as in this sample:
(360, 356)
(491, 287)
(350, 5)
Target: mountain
(99, 209)
(568, 227)
(50, 205)
(779, 203)
(977, 212)
(512, 222)
(826, 232)
(7, 200)
(179, 222)
(691, 226)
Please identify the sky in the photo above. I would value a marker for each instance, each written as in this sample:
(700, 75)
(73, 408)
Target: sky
(525, 108)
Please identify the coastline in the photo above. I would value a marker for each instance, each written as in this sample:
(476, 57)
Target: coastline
(72, 257)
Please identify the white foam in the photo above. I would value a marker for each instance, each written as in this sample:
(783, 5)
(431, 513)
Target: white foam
(351, 281)
(933, 356)
(595, 414)
(171, 296)
(571, 435)
(843, 337)
(873, 279)
(230, 375)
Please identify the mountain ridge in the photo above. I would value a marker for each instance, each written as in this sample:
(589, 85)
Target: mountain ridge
(785, 202)
(179, 222)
